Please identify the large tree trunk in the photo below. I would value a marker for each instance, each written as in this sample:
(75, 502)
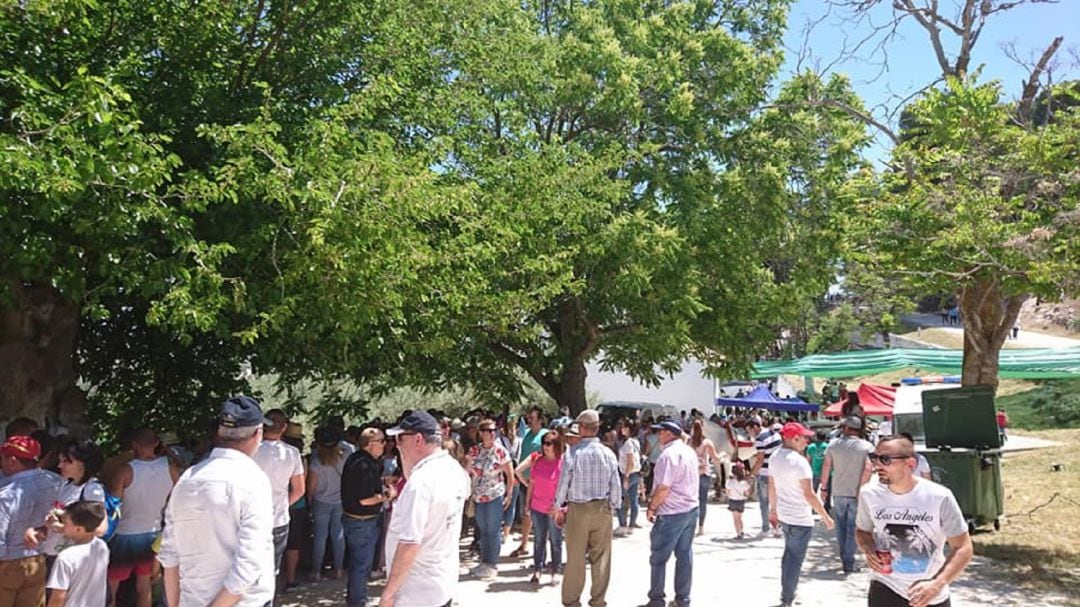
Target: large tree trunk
(37, 358)
(571, 392)
(988, 316)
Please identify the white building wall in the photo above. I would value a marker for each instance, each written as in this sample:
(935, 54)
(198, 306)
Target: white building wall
(687, 389)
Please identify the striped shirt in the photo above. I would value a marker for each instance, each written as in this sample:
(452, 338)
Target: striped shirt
(25, 500)
(767, 442)
(590, 472)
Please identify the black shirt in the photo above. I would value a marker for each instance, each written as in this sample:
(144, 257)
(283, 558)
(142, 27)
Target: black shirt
(361, 478)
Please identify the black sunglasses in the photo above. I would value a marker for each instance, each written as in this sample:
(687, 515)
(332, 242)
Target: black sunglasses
(487, 429)
(885, 460)
(550, 442)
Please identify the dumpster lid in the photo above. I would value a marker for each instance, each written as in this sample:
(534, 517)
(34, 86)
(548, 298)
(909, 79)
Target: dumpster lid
(962, 418)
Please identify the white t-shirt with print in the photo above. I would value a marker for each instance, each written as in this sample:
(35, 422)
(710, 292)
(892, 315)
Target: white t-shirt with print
(915, 527)
(737, 490)
(92, 491)
(81, 570)
(788, 469)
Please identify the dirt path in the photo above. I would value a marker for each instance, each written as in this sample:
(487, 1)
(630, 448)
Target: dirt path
(726, 571)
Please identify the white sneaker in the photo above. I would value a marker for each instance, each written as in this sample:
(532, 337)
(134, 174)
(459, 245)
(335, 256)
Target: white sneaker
(489, 573)
(478, 571)
(621, 532)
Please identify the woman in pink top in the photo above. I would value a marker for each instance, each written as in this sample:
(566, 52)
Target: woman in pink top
(542, 483)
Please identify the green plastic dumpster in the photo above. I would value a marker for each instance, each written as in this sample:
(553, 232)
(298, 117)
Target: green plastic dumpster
(964, 450)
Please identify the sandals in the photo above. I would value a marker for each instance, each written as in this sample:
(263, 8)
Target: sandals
(518, 552)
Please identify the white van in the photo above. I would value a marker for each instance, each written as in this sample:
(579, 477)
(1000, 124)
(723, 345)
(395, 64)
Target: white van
(907, 409)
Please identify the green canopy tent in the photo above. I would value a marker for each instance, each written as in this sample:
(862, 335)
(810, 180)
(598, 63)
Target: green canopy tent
(1014, 364)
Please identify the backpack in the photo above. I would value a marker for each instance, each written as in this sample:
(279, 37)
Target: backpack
(112, 512)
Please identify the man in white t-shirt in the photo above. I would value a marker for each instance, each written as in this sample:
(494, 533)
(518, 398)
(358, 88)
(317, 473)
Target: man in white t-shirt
(284, 467)
(902, 526)
(422, 538)
(792, 503)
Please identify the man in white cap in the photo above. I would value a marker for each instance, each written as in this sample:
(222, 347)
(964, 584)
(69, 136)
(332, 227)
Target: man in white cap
(591, 489)
(218, 544)
(673, 511)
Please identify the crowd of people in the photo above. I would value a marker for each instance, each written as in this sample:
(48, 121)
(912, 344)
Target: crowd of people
(237, 521)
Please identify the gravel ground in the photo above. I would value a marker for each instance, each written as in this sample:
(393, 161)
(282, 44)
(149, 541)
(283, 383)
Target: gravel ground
(744, 573)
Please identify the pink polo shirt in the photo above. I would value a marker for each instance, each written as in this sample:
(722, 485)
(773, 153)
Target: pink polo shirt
(677, 469)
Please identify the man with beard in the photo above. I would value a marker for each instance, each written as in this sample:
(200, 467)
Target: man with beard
(902, 525)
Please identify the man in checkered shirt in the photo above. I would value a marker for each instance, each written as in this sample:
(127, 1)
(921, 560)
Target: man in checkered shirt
(591, 489)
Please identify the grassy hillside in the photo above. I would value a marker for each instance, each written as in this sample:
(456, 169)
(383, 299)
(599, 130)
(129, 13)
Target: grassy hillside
(1050, 405)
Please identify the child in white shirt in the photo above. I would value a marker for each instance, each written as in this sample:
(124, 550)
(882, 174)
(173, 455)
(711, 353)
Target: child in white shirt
(737, 491)
(78, 578)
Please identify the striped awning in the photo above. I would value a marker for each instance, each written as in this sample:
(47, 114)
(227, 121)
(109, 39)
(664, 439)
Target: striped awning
(1014, 364)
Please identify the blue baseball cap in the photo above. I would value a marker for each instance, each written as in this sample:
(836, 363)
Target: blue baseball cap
(670, 426)
(417, 422)
(241, 412)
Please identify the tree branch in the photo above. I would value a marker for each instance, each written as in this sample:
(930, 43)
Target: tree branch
(1031, 86)
(546, 382)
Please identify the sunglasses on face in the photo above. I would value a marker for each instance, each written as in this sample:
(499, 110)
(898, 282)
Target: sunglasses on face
(549, 443)
(885, 460)
(487, 429)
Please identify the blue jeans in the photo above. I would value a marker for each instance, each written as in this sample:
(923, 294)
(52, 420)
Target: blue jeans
(508, 514)
(361, 536)
(544, 529)
(705, 483)
(796, 539)
(763, 501)
(672, 533)
(489, 520)
(327, 524)
(843, 512)
(630, 500)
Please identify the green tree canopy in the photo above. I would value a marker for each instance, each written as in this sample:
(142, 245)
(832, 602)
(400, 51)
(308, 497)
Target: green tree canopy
(988, 207)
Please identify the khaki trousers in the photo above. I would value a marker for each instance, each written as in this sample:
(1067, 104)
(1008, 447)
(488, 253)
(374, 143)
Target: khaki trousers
(588, 539)
(22, 582)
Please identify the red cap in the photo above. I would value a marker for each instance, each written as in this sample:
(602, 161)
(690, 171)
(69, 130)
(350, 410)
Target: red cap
(22, 447)
(793, 429)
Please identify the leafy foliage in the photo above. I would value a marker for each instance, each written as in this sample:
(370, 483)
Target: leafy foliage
(987, 206)
(389, 193)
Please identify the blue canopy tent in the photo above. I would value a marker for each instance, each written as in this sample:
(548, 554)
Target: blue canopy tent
(761, 398)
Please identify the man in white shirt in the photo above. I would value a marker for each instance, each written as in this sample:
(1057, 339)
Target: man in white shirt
(283, 466)
(218, 546)
(792, 503)
(903, 524)
(422, 538)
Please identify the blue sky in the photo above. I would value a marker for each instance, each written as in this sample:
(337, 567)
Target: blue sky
(911, 62)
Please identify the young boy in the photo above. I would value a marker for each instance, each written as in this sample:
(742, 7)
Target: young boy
(78, 577)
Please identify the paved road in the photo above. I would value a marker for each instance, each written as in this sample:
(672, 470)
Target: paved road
(729, 572)
(1025, 339)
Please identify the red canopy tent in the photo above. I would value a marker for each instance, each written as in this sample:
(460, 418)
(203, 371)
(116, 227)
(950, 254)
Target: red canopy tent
(874, 399)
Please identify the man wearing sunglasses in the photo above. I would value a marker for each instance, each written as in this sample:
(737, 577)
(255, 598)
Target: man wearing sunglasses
(363, 498)
(902, 526)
